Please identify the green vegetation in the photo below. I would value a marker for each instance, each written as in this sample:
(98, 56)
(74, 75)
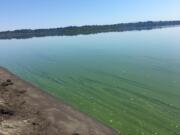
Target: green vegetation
(73, 30)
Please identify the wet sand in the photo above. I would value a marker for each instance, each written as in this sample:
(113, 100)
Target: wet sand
(28, 110)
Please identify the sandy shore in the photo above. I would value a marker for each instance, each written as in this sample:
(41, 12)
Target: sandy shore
(27, 110)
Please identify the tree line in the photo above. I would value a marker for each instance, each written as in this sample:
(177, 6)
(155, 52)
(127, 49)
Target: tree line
(84, 30)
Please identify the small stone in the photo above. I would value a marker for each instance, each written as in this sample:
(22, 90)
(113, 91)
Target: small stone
(34, 123)
(22, 91)
(75, 134)
(8, 80)
(6, 112)
(5, 84)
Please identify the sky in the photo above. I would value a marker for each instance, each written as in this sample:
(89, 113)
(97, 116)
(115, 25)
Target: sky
(21, 14)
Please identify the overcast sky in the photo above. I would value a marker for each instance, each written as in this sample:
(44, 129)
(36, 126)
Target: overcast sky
(19, 14)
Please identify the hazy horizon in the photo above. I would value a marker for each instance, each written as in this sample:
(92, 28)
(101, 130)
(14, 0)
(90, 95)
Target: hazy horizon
(33, 14)
(84, 25)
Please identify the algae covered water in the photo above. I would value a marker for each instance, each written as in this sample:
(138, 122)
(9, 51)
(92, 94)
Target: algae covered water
(129, 81)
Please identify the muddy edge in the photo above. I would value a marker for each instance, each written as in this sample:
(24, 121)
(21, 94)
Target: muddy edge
(40, 112)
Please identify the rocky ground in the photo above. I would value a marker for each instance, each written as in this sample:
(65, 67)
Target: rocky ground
(27, 110)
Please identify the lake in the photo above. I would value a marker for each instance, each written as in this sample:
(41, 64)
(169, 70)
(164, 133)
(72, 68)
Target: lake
(129, 81)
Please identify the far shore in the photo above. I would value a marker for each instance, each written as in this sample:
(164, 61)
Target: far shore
(87, 29)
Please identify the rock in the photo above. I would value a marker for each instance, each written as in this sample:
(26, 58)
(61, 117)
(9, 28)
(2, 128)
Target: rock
(22, 91)
(7, 83)
(35, 124)
(8, 80)
(6, 112)
(75, 134)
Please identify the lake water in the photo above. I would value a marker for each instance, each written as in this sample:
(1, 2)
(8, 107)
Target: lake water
(129, 81)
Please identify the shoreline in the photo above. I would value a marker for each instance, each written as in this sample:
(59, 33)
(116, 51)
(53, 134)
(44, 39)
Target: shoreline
(55, 116)
(86, 29)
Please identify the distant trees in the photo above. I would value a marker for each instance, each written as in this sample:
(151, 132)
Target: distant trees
(74, 30)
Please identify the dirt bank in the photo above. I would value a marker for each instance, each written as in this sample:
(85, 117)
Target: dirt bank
(27, 110)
